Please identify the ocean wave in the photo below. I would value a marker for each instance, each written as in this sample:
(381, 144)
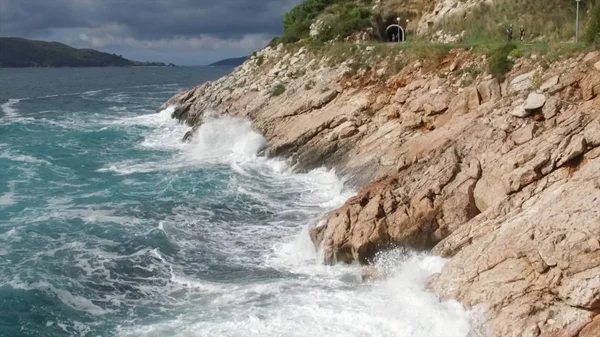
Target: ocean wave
(332, 303)
(9, 109)
(6, 154)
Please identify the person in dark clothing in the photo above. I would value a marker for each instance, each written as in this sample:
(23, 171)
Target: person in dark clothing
(522, 34)
(509, 33)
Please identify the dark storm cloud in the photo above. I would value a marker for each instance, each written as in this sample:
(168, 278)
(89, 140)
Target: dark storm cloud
(145, 19)
(182, 31)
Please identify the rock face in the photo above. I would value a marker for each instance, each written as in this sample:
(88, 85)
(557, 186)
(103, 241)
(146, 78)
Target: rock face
(503, 181)
(534, 260)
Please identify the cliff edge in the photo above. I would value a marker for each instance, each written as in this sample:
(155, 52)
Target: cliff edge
(488, 158)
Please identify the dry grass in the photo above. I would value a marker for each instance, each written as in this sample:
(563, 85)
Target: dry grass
(548, 20)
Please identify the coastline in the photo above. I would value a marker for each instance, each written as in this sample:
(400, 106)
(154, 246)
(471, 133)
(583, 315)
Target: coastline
(471, 171)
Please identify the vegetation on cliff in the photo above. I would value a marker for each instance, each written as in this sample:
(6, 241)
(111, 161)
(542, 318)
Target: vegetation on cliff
(343, 18)
(592, 34)
(18, 52)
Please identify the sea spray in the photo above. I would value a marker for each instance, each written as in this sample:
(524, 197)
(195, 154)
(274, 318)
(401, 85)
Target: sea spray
(111, 226)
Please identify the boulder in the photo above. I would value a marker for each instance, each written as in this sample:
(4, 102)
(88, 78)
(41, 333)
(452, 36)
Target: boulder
(534, 102)
(401, 95)
(414, 209)
(524, 134)
(519, 111)
(488, 90)
(489, 192)
(592, 133)
(549, 83)
(590, 86)
(436, 105)
(473, 99)
(551, 108)
(576, 147)
(521, 83)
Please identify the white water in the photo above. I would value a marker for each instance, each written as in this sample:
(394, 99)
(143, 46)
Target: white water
(8, 108)
(317, 300)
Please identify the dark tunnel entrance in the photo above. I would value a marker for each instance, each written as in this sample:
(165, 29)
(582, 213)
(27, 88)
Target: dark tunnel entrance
(395, 33)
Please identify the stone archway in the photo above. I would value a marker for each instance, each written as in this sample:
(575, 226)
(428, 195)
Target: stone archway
(395, 33)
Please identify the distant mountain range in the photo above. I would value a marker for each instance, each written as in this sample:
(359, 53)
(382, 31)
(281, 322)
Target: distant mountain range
(18, 52)
(230, 62)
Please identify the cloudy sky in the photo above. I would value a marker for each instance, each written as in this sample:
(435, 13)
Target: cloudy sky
(185, 32)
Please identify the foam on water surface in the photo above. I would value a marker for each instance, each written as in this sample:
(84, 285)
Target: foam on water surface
(122, 229)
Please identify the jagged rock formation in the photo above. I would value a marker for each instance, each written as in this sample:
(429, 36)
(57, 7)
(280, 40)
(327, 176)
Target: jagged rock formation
(501, 178)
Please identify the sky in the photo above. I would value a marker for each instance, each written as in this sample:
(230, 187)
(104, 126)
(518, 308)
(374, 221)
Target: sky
(184, 32)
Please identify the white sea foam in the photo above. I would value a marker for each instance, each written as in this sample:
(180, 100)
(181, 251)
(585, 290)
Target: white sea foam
(318, 300)
(9, 109)
(329, 303)
(74, 301)
(7, 199)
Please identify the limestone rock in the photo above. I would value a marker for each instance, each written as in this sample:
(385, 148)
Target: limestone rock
(488, 90)
(519, 111)
(396, 210)
(521, 83)
(524, 134)
(597, 65)
(552, 81)
(534, 102)
(348, 131)
(592, 329)
(576, 147)
(473, 99)
(590, 86)
(489, 192)
(592, 133)
(551, 108)
(401, 96)
(514, 264)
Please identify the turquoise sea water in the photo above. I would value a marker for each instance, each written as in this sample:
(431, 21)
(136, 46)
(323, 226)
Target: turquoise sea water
(111, 226)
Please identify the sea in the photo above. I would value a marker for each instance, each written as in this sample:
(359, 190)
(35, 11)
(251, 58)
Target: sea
(110, 225)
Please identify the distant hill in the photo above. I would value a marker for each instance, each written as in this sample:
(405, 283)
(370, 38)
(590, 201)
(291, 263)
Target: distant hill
(230, 62)
(18, 52)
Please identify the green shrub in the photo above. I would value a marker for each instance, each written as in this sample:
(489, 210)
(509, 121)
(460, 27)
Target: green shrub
(260, 60)
(499, 64)
(278, 90)
(296, 22)
(349, 16)
(592, 31)
(344, 20)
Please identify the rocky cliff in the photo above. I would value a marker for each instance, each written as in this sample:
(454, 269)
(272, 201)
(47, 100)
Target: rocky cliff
(501, 177)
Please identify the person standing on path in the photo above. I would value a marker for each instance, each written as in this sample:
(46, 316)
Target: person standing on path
(509, 33)
(522, 33)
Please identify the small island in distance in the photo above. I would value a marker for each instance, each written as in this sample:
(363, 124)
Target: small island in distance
(20, 53)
